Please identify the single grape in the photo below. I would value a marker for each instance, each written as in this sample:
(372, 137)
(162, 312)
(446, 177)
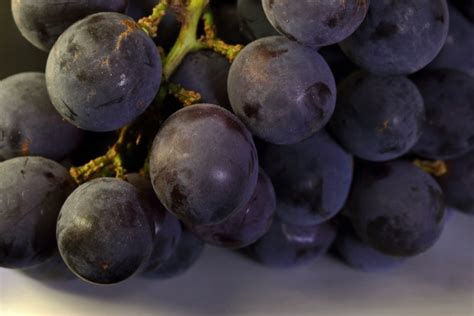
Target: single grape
(253, 21)
(32, 191)
(248, 224)
(287, 245)
(205, 72)
(29, 123)
(104, 233)
(396, 208)
(399, 37)
(359, 255)
(42, 22)
(312, 178)
(103, 72)
(458, 183)
(166, 227)
(203, 164)
(316, 23)
(378, 118)
(282, 91)
(457, 51)
(16, 53)
(449, 104)
(187, 253)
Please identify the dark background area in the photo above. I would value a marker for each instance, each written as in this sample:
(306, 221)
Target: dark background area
(16, 54)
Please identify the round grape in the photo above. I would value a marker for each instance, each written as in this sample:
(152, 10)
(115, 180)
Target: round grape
(103, 72)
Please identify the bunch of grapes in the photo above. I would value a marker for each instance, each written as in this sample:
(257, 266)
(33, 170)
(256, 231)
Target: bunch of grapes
(344, 125)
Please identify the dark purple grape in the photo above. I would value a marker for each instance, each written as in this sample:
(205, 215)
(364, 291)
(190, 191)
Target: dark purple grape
(29, 123)
(396, 208)
(287, 245)
(458, 183)
(248, 224)
(459, 47)
(227, 21)
(16, 53)
(360, 255)
(312, 179)
(104, 232)
(32, 191)
(103, 72)
(166, 227)
(340, 65)
(42, 22)
(378, 118)
(187, 253)
(449, 103)
(205, 72)
(253, 21)
(204, 164)
(314, 22)
(399, 37)
(282, 91)
(53, 270)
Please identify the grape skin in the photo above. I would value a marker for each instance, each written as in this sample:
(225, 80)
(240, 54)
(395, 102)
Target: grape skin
(449, 104)
(32, 191)
(399, 37)
(203, 164)
(287, 245)
(458, 182)
(166, 227)
(313, 22)
(253, 22)
(248, 224)
(29, 124)
(359, 255)
(42, 22)
(103, 72)
(457, 51)
(312, 179)
(396, 208)
(187, 253)
(378, 118)
(205, 72)
(282, 91)
(104, 233)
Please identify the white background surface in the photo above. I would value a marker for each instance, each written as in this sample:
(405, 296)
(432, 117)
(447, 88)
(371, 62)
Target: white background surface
(439, 282)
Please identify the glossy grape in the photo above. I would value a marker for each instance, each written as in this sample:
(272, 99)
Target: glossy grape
(32, 191)
(399, 37)
(104, 233)
(449, 104)
(287, 245)
(378, 118)
(42, 22)
(205, 72)
(396, 208)
(204, 164)
(29, 123)
(457, 51)
(253, 21)
(458, 183)
(282, 91)
(312, 179)
(187, 253)
(248, 224)
(166, 227)
(103, 72)
(316, 23)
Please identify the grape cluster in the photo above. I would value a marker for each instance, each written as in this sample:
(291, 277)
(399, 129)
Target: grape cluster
(341, 126)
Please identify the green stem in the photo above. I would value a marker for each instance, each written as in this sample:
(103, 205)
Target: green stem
(187, 39)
